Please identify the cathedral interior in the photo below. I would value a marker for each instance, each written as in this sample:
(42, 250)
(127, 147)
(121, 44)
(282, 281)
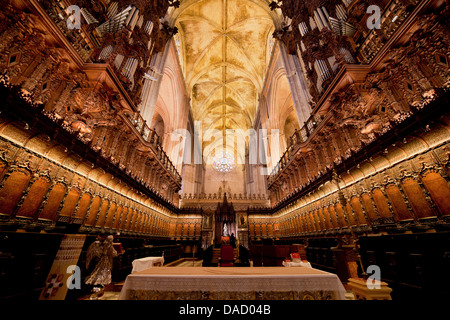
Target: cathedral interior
(177, 127)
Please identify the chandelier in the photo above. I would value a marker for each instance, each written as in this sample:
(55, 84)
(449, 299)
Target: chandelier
(224, 162)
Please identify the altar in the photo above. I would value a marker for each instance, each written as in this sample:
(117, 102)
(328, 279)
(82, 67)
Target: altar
(237, 283)
(145, 263)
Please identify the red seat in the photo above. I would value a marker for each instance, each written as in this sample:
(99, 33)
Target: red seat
(226, 256)
(295, 257)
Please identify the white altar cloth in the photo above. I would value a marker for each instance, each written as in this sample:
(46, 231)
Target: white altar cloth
(145, 263)
(241, 283)
(297, 264)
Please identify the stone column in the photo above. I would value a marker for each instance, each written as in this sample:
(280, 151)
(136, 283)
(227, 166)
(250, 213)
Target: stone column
(299, 89)
(151, 87)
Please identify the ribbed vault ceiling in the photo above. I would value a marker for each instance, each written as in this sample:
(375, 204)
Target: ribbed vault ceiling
(225, 51)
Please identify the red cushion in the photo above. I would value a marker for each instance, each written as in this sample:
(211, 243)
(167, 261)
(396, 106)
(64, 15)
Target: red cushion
(227, 265)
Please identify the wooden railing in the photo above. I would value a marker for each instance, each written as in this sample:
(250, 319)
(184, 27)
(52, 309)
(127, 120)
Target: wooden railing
(299, 137)
(151, 139)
